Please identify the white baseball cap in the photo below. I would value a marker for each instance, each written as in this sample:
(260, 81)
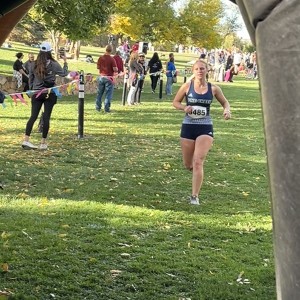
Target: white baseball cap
(45, 47)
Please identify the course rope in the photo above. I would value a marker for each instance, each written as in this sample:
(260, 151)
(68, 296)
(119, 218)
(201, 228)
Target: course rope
(24, 97)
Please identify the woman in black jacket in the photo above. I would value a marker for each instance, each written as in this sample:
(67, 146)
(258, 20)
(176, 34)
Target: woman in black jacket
(229, 69)
(20, 72)
(155, 66)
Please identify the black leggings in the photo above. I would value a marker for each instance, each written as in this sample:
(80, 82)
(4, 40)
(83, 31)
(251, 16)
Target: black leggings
(36, 105)
(25, 81)
(154, 80)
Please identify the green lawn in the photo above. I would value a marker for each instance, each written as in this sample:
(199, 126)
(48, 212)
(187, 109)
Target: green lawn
(107, 216)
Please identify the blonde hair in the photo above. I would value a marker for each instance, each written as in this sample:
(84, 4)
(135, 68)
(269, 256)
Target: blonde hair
(200, 61)
(197, 61)
(134, 56)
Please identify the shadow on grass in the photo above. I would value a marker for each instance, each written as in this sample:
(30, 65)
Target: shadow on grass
(74, 249)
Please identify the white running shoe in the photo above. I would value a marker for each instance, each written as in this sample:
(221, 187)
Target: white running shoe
(43, 146)
(194, 200)
(28, 146)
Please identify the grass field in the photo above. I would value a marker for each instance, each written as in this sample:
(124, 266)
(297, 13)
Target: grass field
(107, 216)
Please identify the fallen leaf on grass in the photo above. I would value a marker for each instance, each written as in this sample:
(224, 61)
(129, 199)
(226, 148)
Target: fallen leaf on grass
(41, 250)
(4, 267)
(124, 245)
(25, 233)
(92, 259)
(5, 235)
(115, 273)
(240, 277)
(22, 196)
(166, 166)
(125, 255)
(242, 280)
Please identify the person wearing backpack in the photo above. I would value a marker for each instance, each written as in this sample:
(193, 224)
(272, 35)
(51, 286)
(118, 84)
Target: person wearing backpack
(154, 67)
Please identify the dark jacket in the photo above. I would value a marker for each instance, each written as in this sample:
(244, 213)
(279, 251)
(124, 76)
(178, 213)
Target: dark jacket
(53, 69)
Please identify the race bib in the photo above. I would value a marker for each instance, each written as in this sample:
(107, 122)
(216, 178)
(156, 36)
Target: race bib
(198, 112)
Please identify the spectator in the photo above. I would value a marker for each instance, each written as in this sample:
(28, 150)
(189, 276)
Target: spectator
(154, 66)
(89, 59)
(2, 97)
(202, 56)
(135, 70)
(170, 73)
(20, 72)
(120, 66)
(229, 68)
(220, 67)
(42, 75)
(125, 50)
(144, 63)
(237, 60)
(107, 69)
(28, 64)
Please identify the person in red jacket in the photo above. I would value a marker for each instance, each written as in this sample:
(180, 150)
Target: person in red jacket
(120, 66)
(107, 69)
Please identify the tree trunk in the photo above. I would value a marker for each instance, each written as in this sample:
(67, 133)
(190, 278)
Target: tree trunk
(77, 50)
(71, 48)
(55, 36)
(115, 43)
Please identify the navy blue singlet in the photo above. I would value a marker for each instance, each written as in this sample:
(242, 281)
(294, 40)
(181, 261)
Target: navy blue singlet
(203, 101)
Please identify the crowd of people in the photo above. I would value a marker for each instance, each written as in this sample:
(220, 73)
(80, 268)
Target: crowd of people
(194, 97)
(224, 64)
(133, 61)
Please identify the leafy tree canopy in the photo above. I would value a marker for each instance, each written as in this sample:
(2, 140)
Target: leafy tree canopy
(198, 22)
(144, 20)
(199, 19)
(77, 19)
